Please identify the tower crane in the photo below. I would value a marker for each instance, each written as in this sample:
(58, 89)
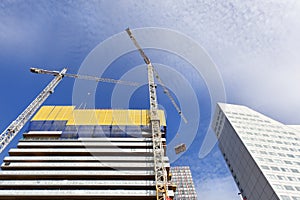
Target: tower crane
(13, 129)
(158, 150)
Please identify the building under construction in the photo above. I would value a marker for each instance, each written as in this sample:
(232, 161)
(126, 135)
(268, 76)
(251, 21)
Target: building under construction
(72, 153)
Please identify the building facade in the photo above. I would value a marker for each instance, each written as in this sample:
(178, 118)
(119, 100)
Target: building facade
(182, 178)
(262, 154)
(70, 153)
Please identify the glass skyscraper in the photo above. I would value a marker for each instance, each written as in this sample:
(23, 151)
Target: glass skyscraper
(262, 154)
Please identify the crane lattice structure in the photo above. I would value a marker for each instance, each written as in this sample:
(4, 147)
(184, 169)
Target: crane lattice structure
(14, 128)
(158, 150)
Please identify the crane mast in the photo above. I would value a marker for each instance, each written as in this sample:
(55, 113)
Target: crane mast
(158, 150)
(13, 129)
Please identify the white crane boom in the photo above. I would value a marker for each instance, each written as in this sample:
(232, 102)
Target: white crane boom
(84, 77)
(158, 150)
(13, 129)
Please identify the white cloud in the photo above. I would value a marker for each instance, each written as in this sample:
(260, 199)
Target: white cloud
(217, 188)
(255, 45)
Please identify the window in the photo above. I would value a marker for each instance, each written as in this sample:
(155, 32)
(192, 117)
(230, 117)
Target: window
(296, 198)
(271, 176)
(272, 153)
(295, 170)
(277, 161)
(263, 152)
(288, 187)
(284, 169)
(265, 167)
(281, 154)
(284, 197)
(281, 177)
(292, 178)
(278, 187)
(288, 162)
(275, 168)
(260, 159)
(297, 163)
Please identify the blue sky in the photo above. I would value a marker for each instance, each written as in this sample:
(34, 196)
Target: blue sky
(254, 45)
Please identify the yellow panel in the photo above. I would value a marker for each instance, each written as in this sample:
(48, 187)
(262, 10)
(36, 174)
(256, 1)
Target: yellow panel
(83, 117)
(131, 117)
(116, 117)
(138, 117)
(43, 113)
(65, 113)
(143, 117)
(124, 117)
(54, 113)
(96, 117)
(162, 118)
(107, 114)
(133, 114)
(101, 116)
